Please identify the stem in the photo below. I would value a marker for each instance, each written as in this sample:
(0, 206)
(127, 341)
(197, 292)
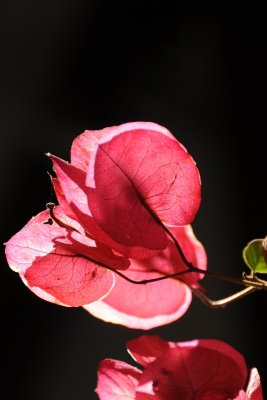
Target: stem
(50, 206)
(254, 282)
(117, 272)
(222, 302)
(251, 282)
(145, 281)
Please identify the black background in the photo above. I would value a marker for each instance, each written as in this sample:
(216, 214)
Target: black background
(69, 66)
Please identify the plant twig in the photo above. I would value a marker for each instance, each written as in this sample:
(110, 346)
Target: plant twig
(251, 282)
(222, 302)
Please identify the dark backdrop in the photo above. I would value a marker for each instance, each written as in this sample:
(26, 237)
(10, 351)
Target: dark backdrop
(67, 66)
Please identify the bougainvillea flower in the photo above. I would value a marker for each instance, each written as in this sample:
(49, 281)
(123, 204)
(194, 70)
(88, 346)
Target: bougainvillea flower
(123, 187)
(204, 369)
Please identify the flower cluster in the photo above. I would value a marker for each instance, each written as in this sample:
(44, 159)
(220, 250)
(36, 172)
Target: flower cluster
(122, 226)
(116, 197)
(200, 369)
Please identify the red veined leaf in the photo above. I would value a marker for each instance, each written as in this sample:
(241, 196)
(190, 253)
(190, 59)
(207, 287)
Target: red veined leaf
(75, 194)
(53, 262)
(137, 177)
(204, 369)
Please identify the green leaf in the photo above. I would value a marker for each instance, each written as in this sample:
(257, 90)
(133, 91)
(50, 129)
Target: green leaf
(253, 255)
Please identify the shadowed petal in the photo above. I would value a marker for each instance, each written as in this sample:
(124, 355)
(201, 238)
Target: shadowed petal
(47, 260)
(75, 194)
(145, 349)
(204, 369)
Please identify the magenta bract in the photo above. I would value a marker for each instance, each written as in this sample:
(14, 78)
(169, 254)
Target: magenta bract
(158, 303)
(201, 369)
(123, 184)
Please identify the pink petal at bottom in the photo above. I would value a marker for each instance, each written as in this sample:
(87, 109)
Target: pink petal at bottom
(117, 380)
(141, 306)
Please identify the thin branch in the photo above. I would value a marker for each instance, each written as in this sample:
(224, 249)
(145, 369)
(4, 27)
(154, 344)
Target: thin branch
(222, 302)
(146, 281)
(250, 281)
(50, 206)
(252, 285)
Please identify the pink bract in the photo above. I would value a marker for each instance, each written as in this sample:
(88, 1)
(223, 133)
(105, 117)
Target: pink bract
(123, 185)
(157, 303)
(204, 369)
